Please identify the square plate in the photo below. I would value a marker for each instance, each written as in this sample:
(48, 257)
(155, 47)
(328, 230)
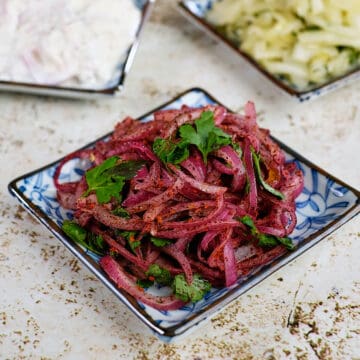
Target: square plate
(324, 204)
(195, 11)
(126, 60)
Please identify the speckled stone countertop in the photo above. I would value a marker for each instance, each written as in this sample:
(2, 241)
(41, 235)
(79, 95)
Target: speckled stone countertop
(51, 307)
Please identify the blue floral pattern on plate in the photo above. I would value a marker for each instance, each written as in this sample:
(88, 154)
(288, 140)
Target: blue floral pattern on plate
(324, 204)
(195, 11)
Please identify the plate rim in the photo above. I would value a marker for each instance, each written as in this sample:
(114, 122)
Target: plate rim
(170, 333)
(301, 95)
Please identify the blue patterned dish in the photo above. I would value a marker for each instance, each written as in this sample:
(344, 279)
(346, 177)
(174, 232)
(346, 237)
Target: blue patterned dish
(325, 204)
(195, 11)
(114, 86)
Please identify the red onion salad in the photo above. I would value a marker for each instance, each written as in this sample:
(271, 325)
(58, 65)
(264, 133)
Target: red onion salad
(198, 197)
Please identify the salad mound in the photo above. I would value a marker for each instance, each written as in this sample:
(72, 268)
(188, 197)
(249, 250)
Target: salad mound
(198, 197)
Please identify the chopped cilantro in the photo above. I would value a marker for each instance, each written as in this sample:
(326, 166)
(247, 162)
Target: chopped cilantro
(159, 274)
(169, 151)
(88, 240)
(265, 185)
(248, 221)
(159, 241)
(286, 242)
(130, 237)
(190, 292)
(265, 240)
(182, 290)
(121, 212)
(108, 178)
(144, 283)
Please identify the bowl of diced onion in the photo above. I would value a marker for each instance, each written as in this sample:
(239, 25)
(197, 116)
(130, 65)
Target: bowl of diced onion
(306, 47)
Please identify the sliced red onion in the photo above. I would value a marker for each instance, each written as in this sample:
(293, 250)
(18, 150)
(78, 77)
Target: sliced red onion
(119, 276)
(248, 160)
(180, 257)
(229, 264)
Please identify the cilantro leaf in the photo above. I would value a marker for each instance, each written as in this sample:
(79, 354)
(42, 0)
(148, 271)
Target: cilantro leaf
(190, 292)
(159, 241)
(248, 221)
(182, 290)
(121, 212)
(95, 173)
(88, 240)
(130, 237)
(205, 136)
(106, 191)
(159, 274)
(108, 178)
(96, 243)
(188, 133)
(265, 240)
(265, 185)
(287, 243)
(144, 283)
(74, 231)
(125, 169)
(170, 152)
(271, 240)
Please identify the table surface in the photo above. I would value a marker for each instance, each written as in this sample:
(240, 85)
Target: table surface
(51, 306)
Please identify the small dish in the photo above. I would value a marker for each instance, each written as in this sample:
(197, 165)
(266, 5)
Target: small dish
(195, 10)
(325, 204)
(126, 59)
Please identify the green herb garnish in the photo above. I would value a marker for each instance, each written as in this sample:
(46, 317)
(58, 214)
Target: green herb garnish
(190, 292)
(108, 178)
(171, 152)
(121, 212)
(265, 240)
(182, 290)
(88, 240)
(264, 184)
(160, 275)
(130, 237)
(144, 283)
(159, 241)
(204, 135)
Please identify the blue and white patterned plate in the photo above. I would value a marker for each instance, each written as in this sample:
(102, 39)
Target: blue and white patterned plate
(325, 204)
(195, 11)
(113, 87)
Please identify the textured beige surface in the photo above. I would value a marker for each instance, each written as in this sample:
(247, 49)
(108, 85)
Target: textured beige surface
(51, 307)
